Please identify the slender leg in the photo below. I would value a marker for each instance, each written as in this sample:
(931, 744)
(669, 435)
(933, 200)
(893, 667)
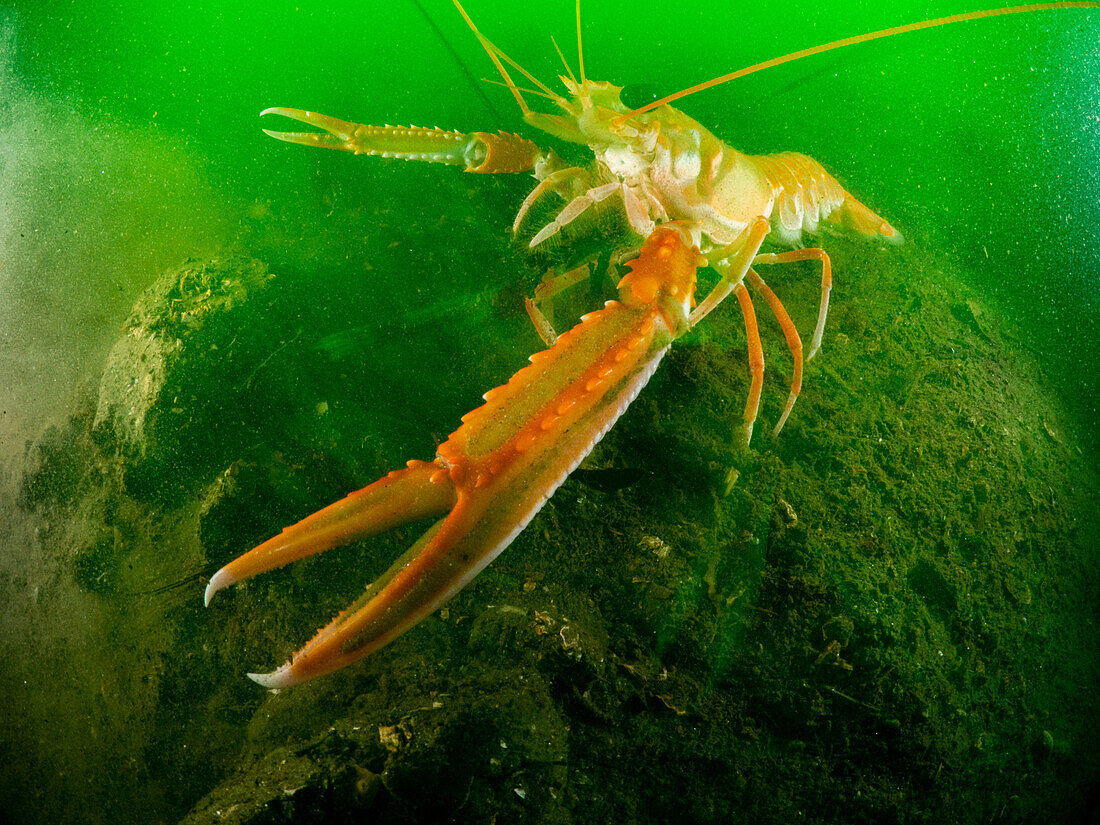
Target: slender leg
(549, 182)
(552, 285)
(826, 284)
(637, 213)
(542, 326)
(573, 210)
(732, 262)
(756, 359)
(794, 343)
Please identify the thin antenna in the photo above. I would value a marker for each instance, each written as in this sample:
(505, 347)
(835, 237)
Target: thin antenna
(478, 88)
(565, 62)
(496, 55)
(851, 41)
(546, 89)
(523, 89)
(580, 48)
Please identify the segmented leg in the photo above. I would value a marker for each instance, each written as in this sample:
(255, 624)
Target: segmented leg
(574, 209)
(813, 254)
(637, 213)
(544, 186)
(732, 262)
(794, 343)
(550, 287)
(756, 358)
(542, 326)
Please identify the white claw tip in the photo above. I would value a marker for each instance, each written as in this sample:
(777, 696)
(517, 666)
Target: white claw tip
(281, 678)
(217, 582)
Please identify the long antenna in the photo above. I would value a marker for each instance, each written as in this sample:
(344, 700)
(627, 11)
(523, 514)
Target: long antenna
(497, 55)
(565, 62)
(478, 88)
(580, 48)
(851, 41)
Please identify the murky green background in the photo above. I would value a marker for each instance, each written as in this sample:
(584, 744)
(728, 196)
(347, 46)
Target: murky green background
(129, 141)
(130, 136)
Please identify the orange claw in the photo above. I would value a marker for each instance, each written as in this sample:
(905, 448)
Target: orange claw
(494, 472)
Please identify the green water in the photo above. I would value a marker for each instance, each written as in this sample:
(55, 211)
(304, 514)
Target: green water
(917, 645)
(983, 135)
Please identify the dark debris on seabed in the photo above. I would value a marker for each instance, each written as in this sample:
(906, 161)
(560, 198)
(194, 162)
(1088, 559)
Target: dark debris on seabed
(887, 614)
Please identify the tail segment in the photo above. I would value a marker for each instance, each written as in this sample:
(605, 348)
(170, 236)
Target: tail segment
(805, 194)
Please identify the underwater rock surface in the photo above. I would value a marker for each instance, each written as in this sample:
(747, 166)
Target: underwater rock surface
(150, 407)
(886, 615)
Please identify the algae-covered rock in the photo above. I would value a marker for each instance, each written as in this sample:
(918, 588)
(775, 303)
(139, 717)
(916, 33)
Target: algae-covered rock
(174, 372)
(408, 757)
(886, 614)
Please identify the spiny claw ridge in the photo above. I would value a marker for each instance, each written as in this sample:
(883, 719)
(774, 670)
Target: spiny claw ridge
(478, 152)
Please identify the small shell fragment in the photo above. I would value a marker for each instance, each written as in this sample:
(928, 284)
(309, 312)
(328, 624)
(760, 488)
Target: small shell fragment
(659, 547)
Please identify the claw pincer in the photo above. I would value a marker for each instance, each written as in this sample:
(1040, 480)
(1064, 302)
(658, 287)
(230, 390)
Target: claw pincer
(478, 152)
(495, 472)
